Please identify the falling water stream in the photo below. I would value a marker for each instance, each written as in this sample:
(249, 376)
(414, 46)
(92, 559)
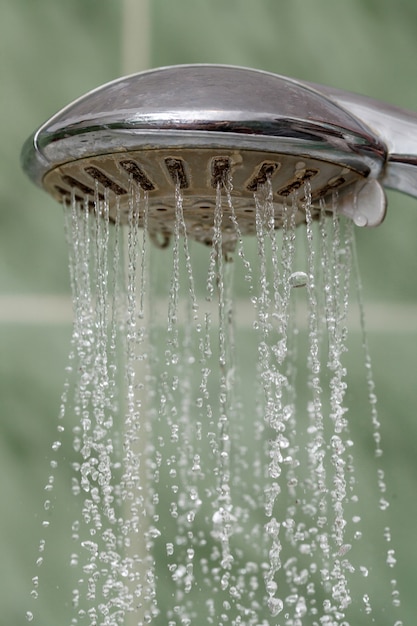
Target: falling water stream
(216, 478)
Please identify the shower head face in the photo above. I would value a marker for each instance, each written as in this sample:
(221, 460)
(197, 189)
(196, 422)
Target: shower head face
(197, 127)
(197, 172)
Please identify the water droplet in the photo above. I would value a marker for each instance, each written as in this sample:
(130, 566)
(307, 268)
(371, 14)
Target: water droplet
(298, 279)
(391, 560)
(154, 533)
(180, 572)
(360, 220)
(367, 603)
(271, 587)
(344, 549)
(275, 606)
(383, 504)
(218, 517)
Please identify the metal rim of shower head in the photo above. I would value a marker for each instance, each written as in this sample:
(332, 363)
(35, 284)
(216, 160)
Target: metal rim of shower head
(197, 125)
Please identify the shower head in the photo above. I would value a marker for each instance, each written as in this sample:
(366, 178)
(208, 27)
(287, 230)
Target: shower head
(198, 126)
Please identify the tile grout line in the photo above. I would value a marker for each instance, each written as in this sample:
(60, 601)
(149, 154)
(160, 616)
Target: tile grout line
(57, 309)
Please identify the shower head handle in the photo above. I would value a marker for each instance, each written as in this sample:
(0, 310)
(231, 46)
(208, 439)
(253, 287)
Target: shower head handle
(397, 129)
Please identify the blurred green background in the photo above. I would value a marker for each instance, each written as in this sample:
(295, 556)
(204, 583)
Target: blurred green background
(52, 52)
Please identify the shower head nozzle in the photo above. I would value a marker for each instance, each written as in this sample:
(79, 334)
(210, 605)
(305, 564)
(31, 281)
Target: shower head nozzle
(198, 126)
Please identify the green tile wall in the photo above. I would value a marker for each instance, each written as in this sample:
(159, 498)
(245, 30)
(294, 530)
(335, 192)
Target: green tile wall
(51, 52)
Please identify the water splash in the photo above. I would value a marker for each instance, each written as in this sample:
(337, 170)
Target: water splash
(211, 445)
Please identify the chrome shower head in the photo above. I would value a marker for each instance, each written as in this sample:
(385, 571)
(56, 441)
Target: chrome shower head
(200, 125)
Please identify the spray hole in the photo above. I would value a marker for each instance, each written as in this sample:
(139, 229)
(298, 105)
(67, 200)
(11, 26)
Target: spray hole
(73, 182)
(67, 195)
(220, 170)
(265, 171)
(290, 188)
(107, 182)
(332, 185)
(176, 170)
(295, 184)
(307, 174)
(138, 175)
(336, 181)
